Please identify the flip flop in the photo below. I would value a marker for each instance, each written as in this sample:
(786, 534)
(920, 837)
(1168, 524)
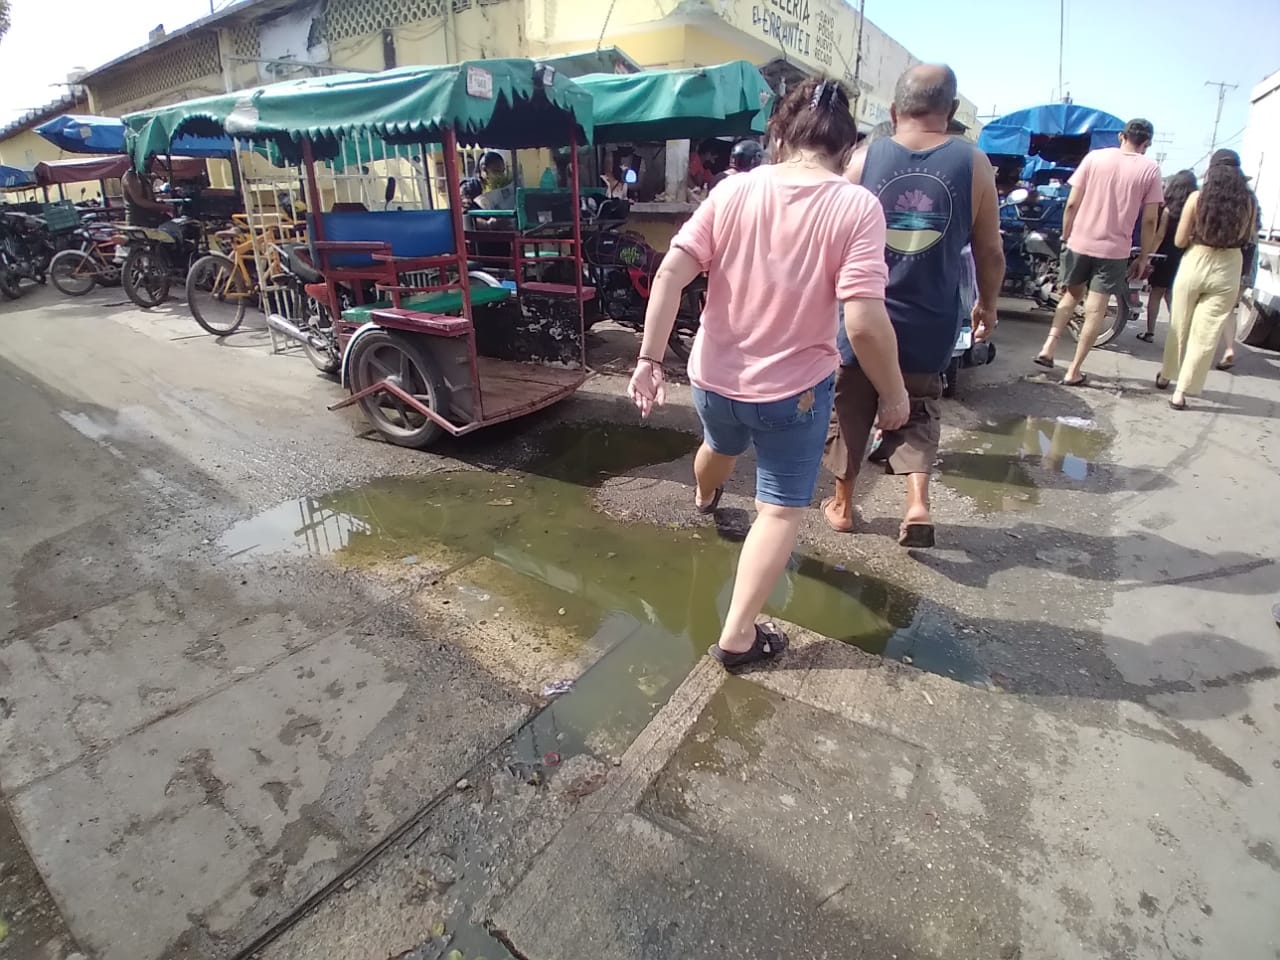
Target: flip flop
(769, 642)
(916, 535)
(1078, 382)
(1177, 405)
(827, 518)
(1147, 337)
(709, 508)
(1227, 364)
(1043, 361)
(1162, 383)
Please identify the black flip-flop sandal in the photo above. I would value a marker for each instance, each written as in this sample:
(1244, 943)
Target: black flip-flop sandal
(709, 508)
(1162, 383)
(1178, 406)
(1043, 361)
(1080, 381)
(1225, 365)
(769, 642)
(916, 536)
(1147, 337)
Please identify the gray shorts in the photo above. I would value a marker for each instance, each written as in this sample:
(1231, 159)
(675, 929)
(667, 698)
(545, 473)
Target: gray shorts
(1096, 273)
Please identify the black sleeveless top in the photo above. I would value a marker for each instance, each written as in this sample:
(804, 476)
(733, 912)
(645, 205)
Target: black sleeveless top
(927, 198)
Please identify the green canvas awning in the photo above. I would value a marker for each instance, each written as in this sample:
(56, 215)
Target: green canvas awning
(508, 104)
(729, 100)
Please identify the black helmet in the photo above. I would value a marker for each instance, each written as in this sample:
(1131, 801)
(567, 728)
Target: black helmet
(746, 155)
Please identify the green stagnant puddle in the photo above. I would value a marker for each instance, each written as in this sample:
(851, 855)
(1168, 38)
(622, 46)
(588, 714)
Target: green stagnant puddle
(1003, 465)
(646, 599)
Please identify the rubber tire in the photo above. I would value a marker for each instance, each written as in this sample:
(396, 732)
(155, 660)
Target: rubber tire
(72, 260)
(142, 298)
(10, 285)
(427, 371)
(193, 294)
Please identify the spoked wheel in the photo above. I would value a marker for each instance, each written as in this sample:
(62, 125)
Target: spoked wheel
(73, 272)
(217, 294)
(380, 355)
(10, 285)
(146, 277)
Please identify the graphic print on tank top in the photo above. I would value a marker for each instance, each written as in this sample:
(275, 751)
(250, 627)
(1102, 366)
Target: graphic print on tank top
(917, 209)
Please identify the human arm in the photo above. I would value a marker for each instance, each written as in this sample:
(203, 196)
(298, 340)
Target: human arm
(860, 286)
(1150, 217)
(690, 255)
(1079, 183)
(866, 323)
(676, 272)
(1162, 227)
(987, 246)
(1186, 224)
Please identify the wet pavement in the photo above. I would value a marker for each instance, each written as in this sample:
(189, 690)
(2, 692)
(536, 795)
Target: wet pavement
(292, 692)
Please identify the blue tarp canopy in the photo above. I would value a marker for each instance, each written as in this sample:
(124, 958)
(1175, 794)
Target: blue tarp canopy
(14, 178)
(1039, 170)
(104, 136)
(1012, 134)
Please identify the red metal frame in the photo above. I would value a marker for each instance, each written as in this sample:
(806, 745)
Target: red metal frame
(387, 280)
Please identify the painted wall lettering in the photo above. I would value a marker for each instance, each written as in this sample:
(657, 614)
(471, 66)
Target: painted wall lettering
(792, 9)
(824, 38)
(788, 32)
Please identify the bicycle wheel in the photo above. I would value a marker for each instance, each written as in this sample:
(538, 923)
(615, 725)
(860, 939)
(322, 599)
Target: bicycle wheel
(73, 272)
(217, 294)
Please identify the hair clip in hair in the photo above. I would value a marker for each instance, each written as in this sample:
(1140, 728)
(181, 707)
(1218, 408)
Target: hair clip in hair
(824, 95)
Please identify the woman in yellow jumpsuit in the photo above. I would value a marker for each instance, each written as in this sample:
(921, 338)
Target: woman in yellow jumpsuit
(1216, 223)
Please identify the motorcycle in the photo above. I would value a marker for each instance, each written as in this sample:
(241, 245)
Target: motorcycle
(1033, 254)
(25, 251)
(153, 258)
(621, 265)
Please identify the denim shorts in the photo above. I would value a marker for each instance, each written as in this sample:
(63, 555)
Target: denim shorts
(788, 436)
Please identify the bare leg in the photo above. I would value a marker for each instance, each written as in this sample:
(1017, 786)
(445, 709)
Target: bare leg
(839, 509)
(710, 471)
(1095, 315)
(765, 553)
(1061, 317)
(917, 499)
(1154, 298)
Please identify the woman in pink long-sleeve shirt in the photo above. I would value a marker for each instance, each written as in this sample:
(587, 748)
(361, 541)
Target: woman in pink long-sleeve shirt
(783, 246)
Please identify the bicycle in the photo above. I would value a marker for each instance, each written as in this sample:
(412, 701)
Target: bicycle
(221, 284)
(77, 271)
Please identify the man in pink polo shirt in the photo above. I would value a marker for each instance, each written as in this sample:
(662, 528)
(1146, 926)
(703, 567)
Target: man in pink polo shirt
(1109, 190)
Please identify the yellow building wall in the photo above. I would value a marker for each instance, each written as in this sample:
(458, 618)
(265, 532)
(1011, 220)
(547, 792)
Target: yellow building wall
(27, 148)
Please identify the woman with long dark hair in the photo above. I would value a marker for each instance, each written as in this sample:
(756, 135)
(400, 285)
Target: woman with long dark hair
(1217, 223)
(1180, 186)
(782, 246)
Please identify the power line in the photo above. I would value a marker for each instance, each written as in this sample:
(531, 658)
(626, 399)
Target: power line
(1223, 87)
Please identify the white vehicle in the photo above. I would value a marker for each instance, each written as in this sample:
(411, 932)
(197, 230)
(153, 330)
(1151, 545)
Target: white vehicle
(1260, 159)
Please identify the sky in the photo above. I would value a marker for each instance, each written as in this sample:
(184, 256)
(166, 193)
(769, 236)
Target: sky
(1126, 57)
(50, 38)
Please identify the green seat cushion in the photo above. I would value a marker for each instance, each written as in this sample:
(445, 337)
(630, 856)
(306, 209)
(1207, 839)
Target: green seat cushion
(447, 302)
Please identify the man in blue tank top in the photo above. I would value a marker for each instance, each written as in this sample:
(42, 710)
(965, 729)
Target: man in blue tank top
(939, 196)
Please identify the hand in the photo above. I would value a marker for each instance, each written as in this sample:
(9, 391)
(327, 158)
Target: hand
(1138, 269)
(894, 411)
(984, 322)
(648, 387)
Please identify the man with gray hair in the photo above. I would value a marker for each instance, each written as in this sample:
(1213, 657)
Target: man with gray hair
(939, 196)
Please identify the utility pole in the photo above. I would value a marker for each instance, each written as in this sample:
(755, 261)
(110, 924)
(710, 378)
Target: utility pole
(1223, 87)
(1062, 40)
(1162, 141)
(857, 61)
